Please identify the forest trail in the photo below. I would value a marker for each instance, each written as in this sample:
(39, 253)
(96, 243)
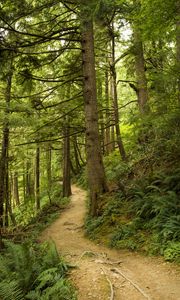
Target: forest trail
(107, 274)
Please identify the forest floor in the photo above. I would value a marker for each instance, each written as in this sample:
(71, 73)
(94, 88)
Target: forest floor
(104, 273)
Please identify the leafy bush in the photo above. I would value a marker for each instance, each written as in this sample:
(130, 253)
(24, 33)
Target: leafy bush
(33, 272)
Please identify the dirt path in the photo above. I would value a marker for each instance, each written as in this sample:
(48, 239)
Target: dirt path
(102, 272)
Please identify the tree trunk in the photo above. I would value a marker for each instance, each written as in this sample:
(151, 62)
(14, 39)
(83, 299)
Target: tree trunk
(101, 117)
(178, 49)
(67, 164)
(15, 189)
(107, 130)
(81, 159)
(24, 183)
(8, 207)
(76, 157)
(140, 72)
(37, 178)
(4, 150)
(113, 144)
(115, 102)
(6, 194)
(95, 168)
(28, 181)
(49, 169)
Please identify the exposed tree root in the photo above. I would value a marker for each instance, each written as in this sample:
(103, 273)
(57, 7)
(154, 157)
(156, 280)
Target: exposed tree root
(108, 262)
(134, 284)
(110, 284)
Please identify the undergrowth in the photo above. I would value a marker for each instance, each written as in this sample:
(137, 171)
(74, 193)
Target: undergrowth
(30, 222)
(47, 215)
(143, 214)
(32, 271)
(26, 212)
(81, 178)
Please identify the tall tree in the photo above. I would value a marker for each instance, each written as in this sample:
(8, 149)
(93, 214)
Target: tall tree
(142, 91)
(115, 97)
(96, 173)
(66, 162)
(4, 194)
(37, 177)
(178, 47)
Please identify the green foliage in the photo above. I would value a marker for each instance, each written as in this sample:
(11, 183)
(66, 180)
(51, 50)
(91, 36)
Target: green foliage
(33, 272)
(9, 289)
(25, 212)
(58, 289)
(156, 16)
(56, 191)
(126, 244)
(148, 202)
(51, 205)
(81, 179)
(122, 238)
(146, 216)
(92, 226)
(117, 171)
(158, 204)
(172, 252)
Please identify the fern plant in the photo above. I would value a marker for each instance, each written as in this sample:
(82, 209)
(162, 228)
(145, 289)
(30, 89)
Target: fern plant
(33, 272)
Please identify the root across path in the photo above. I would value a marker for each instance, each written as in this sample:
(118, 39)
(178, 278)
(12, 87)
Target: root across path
(106, 274)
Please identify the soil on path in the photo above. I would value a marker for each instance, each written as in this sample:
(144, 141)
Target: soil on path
(103, 273)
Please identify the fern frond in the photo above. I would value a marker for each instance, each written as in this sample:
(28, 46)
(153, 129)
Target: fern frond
(11, 290)
(61, 290)
(47, 277)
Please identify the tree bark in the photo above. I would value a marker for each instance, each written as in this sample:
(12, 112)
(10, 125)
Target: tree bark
(15, 187)
(140, 72)
(37, 178)
(67, 164)
(76, 156)
(49, 169)
(95, 167)
(115, 102)
(6, 194)
(101, 116)
(8, 207)
(178, 49)
(107, 130)
(4, 149)
(29, 184)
